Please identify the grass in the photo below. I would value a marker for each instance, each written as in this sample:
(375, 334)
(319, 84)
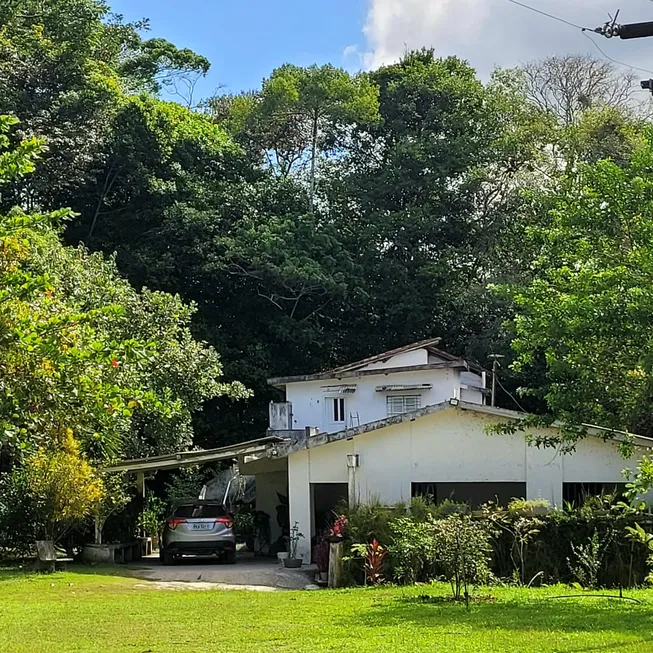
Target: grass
(96, 610)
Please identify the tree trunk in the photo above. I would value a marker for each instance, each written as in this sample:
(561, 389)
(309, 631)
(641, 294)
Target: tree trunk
(313, 157)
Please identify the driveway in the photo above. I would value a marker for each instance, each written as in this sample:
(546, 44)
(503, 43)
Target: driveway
(247, 573)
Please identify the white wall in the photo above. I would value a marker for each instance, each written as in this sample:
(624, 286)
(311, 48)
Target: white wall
(448, 446)
(309, 405)
(415, 357)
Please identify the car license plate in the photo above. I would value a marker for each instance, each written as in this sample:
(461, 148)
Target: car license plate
(201, 527)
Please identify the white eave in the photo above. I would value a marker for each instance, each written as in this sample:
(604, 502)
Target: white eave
(340, 389)
(403, 386)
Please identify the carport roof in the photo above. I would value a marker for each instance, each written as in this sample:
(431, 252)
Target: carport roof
(188, 458)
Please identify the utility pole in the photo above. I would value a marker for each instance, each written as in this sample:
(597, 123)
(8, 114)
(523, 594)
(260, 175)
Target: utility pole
(626, 32)
(629, 31)
(495, 367)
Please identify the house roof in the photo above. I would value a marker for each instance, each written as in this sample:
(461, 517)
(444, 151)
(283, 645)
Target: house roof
(356, 369)
(320, 439)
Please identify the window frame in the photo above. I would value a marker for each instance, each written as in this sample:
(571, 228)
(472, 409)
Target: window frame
(389, 399)
(336, 406)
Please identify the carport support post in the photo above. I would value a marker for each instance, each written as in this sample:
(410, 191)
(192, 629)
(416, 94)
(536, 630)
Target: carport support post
(335, 564)
(353, 461)
(140, 483)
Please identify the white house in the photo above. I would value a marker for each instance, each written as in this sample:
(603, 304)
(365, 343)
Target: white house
(410, 421)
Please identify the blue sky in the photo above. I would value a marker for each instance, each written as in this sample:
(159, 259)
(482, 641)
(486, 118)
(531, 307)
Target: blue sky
(246, 39)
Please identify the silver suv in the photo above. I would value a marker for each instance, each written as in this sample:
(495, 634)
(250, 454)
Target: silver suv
(198, 527)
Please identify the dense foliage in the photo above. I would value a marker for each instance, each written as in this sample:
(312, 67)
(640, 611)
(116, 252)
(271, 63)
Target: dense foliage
(313, 221)
(594, 544)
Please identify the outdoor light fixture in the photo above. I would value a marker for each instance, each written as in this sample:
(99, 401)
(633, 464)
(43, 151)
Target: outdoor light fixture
(454, 401)
(353, 460)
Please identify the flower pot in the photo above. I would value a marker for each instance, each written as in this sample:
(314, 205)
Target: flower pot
(324, 576)
(292, 563)
(282, 556)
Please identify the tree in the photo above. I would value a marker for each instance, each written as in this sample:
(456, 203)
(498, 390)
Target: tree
(585, 315)
(300, 111)
(71, 63)
(62, 486)
(422, 198)
(567, 86)
(80, 349)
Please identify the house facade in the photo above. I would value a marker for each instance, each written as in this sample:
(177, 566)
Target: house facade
(412, 421)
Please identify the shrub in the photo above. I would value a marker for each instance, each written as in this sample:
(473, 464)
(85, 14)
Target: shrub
(18, 521)
(152, 519)
(422, 508)
(371, 521)
(588, 559)
(463, 552)
(373, 556)
(528, 507)
(63, 487)
(413, 551)
(638, 535)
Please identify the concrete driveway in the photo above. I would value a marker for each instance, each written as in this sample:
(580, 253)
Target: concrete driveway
(247, 573)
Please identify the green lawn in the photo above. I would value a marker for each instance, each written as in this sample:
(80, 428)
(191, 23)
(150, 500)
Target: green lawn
(96, 611)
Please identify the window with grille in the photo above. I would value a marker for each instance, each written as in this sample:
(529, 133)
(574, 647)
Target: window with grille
(336, 410)
(403, 404)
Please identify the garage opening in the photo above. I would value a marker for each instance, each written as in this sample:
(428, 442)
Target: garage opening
(475, 494)
(577, 493)
(326, 498)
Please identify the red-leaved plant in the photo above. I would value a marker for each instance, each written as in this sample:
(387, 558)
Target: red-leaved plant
(373, 556)
(340, 526)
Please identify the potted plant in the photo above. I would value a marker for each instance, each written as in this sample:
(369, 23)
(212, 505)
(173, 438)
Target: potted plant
(321, 556)
(292, 561)
(338, 530)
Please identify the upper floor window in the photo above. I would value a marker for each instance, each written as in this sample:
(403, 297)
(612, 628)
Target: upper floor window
(403, 404)
(336, 409)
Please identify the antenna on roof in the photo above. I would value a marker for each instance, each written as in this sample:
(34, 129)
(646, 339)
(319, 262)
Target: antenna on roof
(495, 366)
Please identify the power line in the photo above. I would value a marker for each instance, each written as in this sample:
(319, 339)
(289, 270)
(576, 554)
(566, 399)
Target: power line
(511, 396)
(544, 13)
(584, 31)
(621, 63)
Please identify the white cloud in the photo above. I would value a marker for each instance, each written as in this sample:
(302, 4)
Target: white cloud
(491, 33)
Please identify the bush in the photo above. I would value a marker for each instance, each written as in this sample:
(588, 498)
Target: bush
(18, 522)
(413, 550)
(422, 508)
(463, 552)
(371, 521)
(63, 487)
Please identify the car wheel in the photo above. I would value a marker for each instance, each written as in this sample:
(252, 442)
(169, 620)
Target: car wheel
(230, 557)
(167, 558)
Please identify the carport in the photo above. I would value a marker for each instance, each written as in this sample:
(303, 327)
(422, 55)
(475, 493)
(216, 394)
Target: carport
(253, 458)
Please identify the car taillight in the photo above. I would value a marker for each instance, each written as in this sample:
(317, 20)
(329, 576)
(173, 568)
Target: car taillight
(173, 522)
(227, 521)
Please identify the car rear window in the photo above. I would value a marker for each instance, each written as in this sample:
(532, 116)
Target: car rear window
(210, 511)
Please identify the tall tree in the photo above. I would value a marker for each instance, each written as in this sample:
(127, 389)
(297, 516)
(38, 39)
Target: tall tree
(585, 317)
(423, 196)
(299, 112)
(81, 350)
(567, 86)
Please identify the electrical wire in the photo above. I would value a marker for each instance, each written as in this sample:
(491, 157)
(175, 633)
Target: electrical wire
(510, 395)
(620, 63)
(584, 31)
(544, 13)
